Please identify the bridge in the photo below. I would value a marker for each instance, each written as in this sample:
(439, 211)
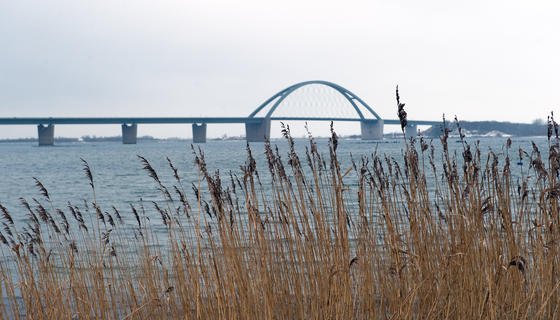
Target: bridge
(257, 124)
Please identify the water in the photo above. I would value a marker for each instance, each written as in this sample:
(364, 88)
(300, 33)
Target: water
(120, 179)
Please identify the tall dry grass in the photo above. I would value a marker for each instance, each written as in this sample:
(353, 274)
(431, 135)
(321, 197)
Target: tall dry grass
(433, 235)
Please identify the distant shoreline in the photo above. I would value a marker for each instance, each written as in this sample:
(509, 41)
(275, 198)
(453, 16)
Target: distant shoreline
(109, 139)
(491, 129)
(470, 128)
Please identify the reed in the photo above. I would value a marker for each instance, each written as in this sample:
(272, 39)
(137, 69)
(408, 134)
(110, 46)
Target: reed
(429, 236)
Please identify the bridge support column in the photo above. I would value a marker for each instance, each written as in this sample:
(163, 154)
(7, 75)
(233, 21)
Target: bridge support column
(257, 131)
(372, 129)
(129, 133)
(46, 134)
(411, 131)
(199, 133)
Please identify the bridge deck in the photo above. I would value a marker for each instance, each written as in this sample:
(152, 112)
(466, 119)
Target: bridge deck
(178, 120)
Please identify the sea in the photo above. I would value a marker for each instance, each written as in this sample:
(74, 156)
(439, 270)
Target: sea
(120, 179)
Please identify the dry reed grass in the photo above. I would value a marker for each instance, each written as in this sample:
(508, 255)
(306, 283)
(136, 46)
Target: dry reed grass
(475, 244)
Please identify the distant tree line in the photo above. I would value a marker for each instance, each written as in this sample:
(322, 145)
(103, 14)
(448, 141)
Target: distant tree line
(82, 139)
(537, 128)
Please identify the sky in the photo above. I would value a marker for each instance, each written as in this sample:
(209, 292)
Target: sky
(479, 60)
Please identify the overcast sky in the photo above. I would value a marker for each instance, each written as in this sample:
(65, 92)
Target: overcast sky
(480, 60)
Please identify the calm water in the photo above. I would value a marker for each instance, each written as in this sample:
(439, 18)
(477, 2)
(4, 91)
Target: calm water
(119, 177)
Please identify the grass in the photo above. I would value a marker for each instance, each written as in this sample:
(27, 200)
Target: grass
(430, 236)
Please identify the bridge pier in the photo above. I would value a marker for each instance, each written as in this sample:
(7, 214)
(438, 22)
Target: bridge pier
(129, 133)
(411, 131)
(372, 129)
(46, 134)
(199, 133)
(257, 131)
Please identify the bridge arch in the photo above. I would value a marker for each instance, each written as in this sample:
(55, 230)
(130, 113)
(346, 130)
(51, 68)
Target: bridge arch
(347, 94)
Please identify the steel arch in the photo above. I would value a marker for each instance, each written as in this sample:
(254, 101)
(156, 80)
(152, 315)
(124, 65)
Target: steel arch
(289, 90)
